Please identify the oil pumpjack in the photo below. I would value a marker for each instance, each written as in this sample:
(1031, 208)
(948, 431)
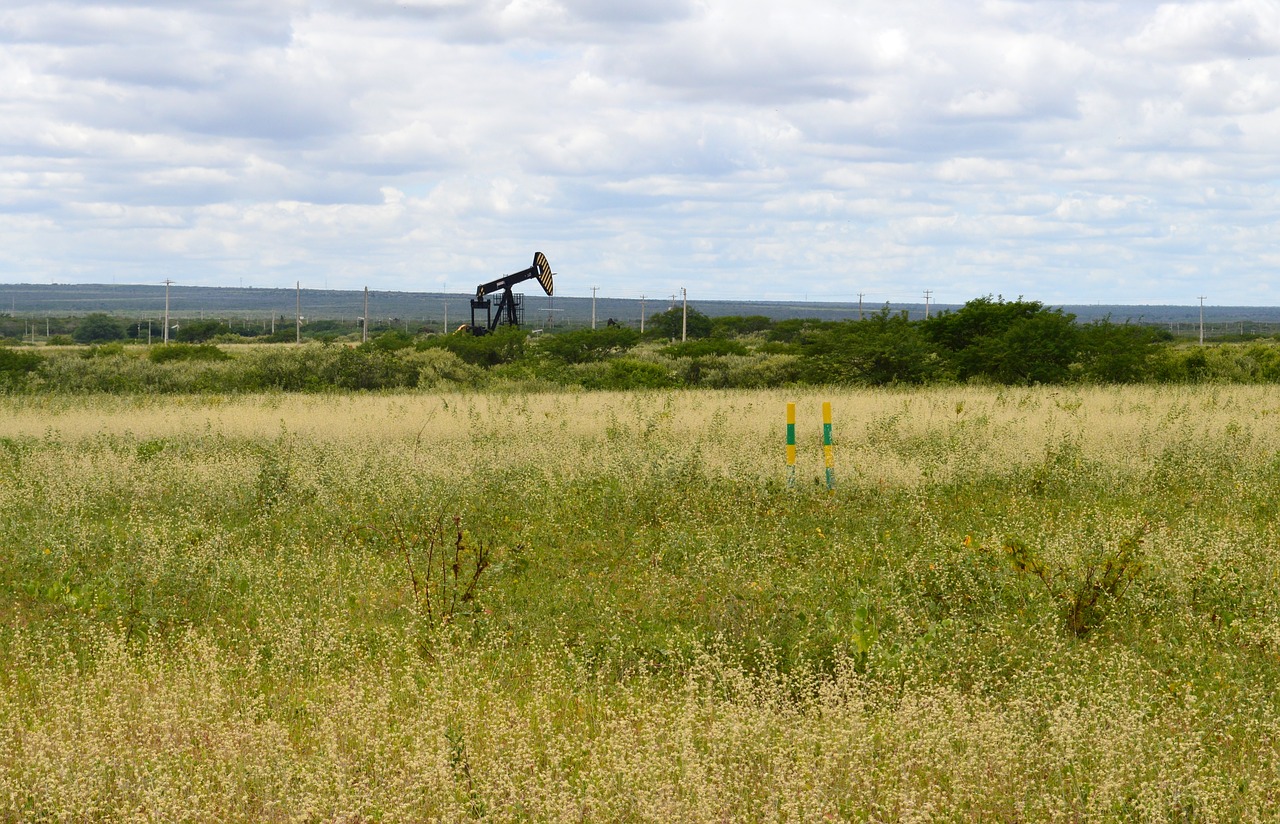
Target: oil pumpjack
(510, 305)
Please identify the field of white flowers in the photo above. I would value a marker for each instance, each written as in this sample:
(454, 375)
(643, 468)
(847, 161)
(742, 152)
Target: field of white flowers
(1035, 604)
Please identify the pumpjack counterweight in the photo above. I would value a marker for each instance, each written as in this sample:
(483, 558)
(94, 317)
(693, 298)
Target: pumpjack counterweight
(510, 309)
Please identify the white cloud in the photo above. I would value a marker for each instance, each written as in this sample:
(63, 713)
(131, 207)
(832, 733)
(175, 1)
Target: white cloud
(1206, 30)
(743, 146)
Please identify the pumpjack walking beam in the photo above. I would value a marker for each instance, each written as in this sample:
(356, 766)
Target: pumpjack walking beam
(508, 306)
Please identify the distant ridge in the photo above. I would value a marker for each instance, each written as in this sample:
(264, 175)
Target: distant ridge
(247, 303)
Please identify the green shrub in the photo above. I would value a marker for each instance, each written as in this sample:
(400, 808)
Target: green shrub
(439, 367)
(728, 326)
(361, 368)
(97, 328)
(883, 349)
(587, 345)
(707, 347)
(200, 330)
(1010, 342)
(392, 340)
(671, 324)
(506, 345)
(186, 352)
(626, 373)
(16, 367)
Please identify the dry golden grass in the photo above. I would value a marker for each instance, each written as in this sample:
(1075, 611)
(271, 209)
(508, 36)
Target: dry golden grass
(204, 640)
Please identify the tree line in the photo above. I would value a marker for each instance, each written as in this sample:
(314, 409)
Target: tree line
(988, 340)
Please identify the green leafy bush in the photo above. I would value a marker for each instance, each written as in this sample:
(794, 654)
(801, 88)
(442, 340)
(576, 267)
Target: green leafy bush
(199, 331)
(626, 373)
(506, 345)
(98, 328)
(16, 367)
(186, 352)
(587, 345)
(883, 349)
(705, 347)
(670, 325)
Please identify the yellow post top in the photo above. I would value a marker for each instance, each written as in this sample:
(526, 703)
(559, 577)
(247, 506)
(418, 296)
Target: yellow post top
(826, 411)
(791, 413)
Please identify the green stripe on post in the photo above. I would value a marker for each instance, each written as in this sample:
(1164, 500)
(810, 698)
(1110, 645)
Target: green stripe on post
(828, 451)
(791, 444)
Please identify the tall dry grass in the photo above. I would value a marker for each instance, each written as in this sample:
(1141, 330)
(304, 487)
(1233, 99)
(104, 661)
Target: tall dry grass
(191, 630)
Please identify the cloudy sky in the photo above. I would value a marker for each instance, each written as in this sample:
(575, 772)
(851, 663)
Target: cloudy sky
(1072, 151)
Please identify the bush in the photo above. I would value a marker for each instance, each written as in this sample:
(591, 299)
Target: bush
(186, 352)
(1116, 353)
(669, 324)
(98, 328)
(506, 345)
(1010, 342)
(16, 367)
(393, 340)
(292, 369)
(438, 367)
(199, 331)
(362, 368)
(706, 347)
(883, 349)
(627, 373)
(792, 330)
(729, 326)
(587, 345)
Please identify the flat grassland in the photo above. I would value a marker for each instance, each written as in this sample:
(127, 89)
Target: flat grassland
(1046, 604)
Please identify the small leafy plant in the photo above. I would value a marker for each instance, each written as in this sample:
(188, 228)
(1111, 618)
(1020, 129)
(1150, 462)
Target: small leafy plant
(1085, 590)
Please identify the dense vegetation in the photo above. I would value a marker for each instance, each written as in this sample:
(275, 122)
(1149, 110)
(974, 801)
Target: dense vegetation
(988, 341)
(1017, 604)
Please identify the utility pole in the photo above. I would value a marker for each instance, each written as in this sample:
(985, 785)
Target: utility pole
(167, 282)
(1202, 320)
(297, 312)
(859, 306)
(642, 314)
(927, 293)
(364, 331)
(684, 314)
(594, 289)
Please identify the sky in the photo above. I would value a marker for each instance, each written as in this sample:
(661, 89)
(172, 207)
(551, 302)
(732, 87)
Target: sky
(1073, 152)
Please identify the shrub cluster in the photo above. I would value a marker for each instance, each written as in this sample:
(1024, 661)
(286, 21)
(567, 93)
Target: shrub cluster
(987, 341)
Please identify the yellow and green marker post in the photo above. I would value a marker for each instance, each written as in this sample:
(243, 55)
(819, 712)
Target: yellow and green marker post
(791, 444)
(828, 451)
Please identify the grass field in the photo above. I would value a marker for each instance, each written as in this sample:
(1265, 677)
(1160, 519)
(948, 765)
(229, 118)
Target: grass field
(1046, 604)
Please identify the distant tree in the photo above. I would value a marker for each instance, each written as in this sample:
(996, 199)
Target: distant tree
(98, 328)
(17, 366)
(586, 345)
(1012, 342)
(199, 331)
(1118, 352)
(392, 340)
(506, 345)
(704, 347)
(731, 326)
(791, 329)
(669, 324)
(883, 349)
(186, 352)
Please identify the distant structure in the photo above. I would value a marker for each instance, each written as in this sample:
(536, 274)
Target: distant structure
(510, 309)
